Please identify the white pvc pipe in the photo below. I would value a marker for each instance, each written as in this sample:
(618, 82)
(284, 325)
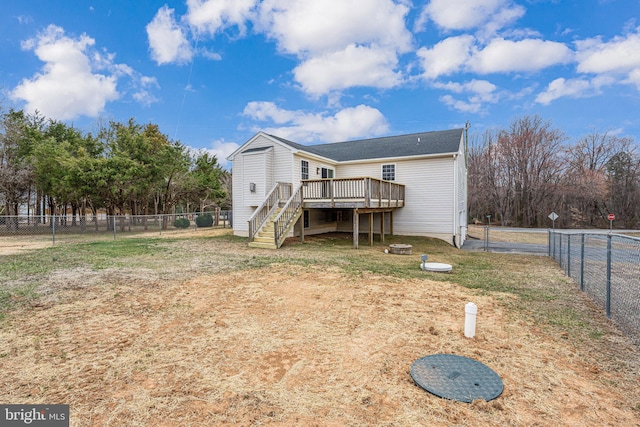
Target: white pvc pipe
(470, 310)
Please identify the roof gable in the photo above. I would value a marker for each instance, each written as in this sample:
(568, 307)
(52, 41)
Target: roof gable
(246, 147)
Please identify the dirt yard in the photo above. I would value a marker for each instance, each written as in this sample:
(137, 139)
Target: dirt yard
(301, 345)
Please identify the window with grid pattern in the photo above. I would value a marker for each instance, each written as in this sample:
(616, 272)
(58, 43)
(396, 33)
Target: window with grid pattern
(389, 172)
(304, 171)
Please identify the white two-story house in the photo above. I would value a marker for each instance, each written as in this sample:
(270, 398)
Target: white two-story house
(404, 185)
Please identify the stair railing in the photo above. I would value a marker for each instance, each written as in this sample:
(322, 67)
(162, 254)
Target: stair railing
(280, 191)
(287, 216)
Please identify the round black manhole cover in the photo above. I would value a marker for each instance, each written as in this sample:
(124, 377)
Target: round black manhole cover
(456, 378)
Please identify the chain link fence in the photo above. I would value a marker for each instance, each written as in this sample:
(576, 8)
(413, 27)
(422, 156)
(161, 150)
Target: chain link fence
(54, 228)
(607, 267)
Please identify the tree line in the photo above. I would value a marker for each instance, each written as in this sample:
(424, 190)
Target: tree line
(519, 175)
(49, 167)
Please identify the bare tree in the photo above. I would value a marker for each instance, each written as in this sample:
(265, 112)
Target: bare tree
(490, 185)
(518, 171)
(531, 150)
(623, 178)
(586, 187)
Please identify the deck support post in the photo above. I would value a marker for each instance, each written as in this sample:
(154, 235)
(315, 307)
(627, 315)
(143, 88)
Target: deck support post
(301, 221)
(382, 226)
(370, 228)
(356, 228)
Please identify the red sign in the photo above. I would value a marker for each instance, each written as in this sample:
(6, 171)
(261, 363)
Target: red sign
(611, 217)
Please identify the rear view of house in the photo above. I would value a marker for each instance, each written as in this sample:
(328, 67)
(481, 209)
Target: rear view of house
(414, 185)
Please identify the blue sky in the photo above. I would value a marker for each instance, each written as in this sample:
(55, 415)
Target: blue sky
(211, 73)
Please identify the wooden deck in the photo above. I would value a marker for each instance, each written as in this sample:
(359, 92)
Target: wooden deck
(365, 196)
(352, 193)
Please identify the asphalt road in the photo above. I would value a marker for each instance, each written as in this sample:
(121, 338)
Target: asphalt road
(515, 248)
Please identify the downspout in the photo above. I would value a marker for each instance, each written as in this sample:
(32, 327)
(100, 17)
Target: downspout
(455, 197)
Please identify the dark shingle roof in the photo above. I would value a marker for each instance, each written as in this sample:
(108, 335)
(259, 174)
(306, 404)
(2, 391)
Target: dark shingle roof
(416, 144)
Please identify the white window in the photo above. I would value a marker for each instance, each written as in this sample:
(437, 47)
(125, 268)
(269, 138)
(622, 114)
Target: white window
(304, 171)
(389, 172)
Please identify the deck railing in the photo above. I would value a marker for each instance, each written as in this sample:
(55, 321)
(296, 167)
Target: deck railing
(280, 192)
(363, 189)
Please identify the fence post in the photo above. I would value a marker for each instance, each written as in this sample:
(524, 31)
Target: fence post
(114, 227)
(549, 242)
(608, 300)
(569, 255)
(560, 253)
(53, 228)
(582, 263)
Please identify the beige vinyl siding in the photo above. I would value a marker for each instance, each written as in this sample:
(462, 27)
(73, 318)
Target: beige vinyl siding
(315, 166)
(256, 171)
(241, 213)
(265, 168)
(429, 194)
(462, 198)
(283, 165)
(281, 161)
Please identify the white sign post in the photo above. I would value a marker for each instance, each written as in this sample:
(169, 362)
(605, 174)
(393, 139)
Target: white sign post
(611, 218)
(553, 216)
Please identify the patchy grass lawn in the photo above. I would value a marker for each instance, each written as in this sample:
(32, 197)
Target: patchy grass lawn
(199, 329)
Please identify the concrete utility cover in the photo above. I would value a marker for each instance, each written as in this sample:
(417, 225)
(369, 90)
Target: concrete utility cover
(456, 378)
(400, 249)
(436, 266)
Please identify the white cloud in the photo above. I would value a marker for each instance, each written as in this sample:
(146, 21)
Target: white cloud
(634, 78)
(481, 92)
(309, 27)
(353, 66)
(469, 14)
(501, 19)
(601, 64)
(222, 149)
(213, 16)
(462, 106)
(461, 54)
(620, 55)
(341, 43)
(143, 94)
(561, 87)
(358, 41)
(528, 55)
(357, 122)
(24, 19)
(268, 111)
(479, 87)
(167, 40)
(574, 88)
(214, 56)
(446, 57)
(67, 87)
(420, 24)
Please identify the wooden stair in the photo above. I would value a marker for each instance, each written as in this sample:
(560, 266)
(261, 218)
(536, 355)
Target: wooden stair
(265, 238)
